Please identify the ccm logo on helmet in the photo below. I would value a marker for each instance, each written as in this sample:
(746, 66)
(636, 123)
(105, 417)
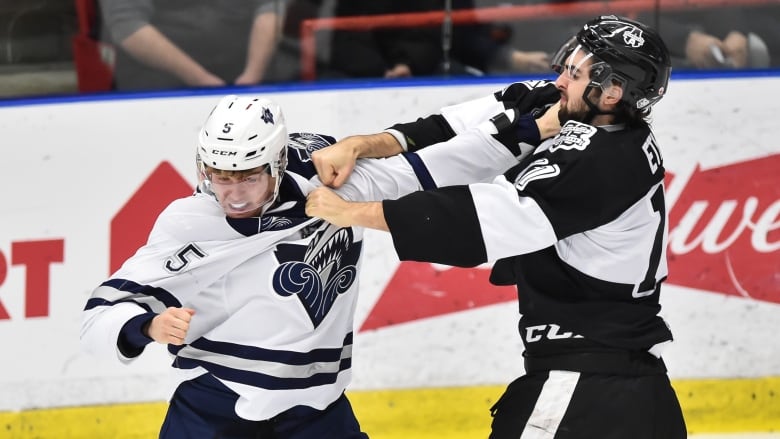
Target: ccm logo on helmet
(223, 153)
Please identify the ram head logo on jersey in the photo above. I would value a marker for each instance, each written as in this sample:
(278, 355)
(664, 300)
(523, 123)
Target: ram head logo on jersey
(328, 268)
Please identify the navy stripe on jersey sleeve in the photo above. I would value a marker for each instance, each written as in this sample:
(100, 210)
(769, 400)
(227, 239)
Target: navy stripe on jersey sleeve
(438, 226)
(420, 170)
(129, 286)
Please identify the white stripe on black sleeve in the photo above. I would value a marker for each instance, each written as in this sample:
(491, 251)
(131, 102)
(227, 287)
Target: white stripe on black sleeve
(510, 224)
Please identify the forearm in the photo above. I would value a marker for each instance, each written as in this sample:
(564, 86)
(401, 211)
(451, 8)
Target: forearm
(262, 44)
(326, 204)
(369, 215)
(122, 18)
(335, 163)
(154, 49)
(377, 145)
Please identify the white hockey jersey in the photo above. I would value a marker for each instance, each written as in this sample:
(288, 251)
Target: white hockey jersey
(274, 296)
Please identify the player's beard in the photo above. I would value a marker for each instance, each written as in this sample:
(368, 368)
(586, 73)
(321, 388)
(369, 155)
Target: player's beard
(577, 114)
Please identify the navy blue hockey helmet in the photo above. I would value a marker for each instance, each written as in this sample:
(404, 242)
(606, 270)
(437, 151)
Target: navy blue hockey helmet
(625, 51)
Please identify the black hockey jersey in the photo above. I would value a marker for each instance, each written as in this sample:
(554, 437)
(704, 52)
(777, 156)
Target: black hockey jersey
(579, 226)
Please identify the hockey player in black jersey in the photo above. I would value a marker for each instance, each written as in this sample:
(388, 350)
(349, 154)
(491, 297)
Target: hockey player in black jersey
(579, 225)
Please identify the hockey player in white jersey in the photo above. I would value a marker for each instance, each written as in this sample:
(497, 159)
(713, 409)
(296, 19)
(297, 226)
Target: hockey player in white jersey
(254, 299)
(579, 225)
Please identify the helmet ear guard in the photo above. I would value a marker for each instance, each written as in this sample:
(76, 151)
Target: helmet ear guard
(611, 84)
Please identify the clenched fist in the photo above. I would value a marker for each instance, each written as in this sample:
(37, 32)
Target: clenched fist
(326, 204)
(171, 326)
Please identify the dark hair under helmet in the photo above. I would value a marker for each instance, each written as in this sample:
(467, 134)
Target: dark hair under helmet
(631, 53)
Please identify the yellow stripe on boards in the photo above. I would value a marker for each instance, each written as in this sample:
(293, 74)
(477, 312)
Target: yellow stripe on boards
(710, 406)
(120, 421)
(730, 405)
(452, 413)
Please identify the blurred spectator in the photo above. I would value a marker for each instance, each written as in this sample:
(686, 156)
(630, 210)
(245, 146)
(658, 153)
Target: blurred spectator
(401, 52)
(513, 46)
(744, 37)
(723, 37)
(483, 47)
(199, 43)
(385, 52)
(486, 47)
(531, 37)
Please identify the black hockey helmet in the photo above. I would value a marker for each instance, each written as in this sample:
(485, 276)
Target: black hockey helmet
(627, 52)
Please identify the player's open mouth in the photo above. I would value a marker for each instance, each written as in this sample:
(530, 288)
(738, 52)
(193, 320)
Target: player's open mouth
(241, 206)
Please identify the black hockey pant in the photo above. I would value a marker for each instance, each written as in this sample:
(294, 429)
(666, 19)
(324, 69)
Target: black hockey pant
(590, 396)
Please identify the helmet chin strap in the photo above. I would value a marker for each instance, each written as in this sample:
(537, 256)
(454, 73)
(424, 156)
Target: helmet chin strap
(280, 171)
(273, 198)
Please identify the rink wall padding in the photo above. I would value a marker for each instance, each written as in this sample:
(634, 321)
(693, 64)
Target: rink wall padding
(709, 406)
(86, 176)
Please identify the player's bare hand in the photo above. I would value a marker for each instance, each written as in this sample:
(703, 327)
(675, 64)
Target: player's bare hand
(735, 48)
(335, 162)
(549, 124)
(535, 61)
(247, 78)
(700, 50)
(204, 78)
(326, 204)
(399, 71)
(171, 326)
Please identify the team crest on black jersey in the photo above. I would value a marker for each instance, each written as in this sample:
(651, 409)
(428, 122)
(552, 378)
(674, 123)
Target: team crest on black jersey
(304, 144)
(319, 272)
(573, 135)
